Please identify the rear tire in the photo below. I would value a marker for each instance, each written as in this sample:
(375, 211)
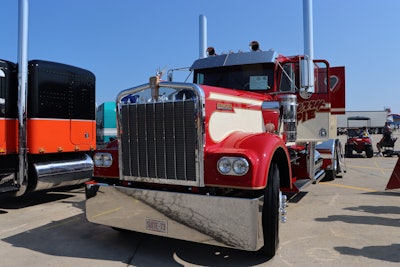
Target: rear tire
(330, 175)
(270, 215)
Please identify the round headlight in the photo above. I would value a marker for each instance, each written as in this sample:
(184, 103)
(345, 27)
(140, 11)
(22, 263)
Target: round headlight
(233, 166)
(240, 166)
(224, 165)
(102, 159)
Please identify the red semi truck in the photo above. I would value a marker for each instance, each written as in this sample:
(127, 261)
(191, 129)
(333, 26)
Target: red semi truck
(208, 161)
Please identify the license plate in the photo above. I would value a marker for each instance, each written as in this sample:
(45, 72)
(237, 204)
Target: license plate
(155, 225)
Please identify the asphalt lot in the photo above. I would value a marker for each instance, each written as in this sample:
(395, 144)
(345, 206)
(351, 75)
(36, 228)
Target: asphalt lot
(351, 221)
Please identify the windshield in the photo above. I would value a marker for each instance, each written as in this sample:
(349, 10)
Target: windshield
(253, 77)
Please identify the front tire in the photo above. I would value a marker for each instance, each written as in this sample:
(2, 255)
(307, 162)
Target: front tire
(369, 152)
(270, 215)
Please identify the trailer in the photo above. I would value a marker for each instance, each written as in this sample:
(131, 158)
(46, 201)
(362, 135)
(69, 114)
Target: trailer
(377, 120)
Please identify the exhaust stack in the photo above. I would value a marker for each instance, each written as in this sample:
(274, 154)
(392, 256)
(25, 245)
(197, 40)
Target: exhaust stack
(22, 94)
(308, 46)
(202, 36)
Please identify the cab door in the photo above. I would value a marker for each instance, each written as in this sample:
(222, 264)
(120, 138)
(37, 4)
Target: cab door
(337, 90)
(314, 109)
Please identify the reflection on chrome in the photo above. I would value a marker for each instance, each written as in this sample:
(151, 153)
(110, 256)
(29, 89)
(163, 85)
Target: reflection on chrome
(183, 216)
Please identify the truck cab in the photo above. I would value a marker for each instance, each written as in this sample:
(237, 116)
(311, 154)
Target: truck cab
(207, 161)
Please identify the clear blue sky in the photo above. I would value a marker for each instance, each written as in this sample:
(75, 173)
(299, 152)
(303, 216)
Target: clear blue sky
(123, 42)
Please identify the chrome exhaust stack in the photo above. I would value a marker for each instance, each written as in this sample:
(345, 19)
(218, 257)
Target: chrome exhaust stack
(22, 96)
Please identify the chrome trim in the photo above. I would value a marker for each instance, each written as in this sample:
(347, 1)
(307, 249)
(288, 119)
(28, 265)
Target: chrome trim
(289, 105)
(73, 171)
(232, 222)
(318, 164)
(7, 182)
(199, 121)
(327, 145)
(327, 156)
(101, 160)
(318, 176)
(22, 95)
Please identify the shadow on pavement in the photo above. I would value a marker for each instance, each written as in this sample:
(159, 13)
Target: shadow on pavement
(33, 200)
(389, 253)
(377, 209)
(37, 198)
(384, 193)
(369, 220)
(76, 237)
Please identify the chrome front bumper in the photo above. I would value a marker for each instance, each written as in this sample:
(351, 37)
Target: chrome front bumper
(221, 221)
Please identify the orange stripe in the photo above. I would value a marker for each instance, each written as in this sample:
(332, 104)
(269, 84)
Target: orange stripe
(8, 136)
(54, 135)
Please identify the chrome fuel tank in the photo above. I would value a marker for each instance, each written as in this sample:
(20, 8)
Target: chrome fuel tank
(74, 170)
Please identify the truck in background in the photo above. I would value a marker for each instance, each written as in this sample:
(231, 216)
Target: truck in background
(208, 161)
(106, 123)
(47, 121)
(377, 120)
(60, 127)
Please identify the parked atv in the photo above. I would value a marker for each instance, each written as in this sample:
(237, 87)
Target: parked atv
(358, 139)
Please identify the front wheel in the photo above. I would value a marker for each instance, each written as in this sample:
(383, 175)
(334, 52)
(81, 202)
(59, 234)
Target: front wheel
(369, 152)
(270, 215)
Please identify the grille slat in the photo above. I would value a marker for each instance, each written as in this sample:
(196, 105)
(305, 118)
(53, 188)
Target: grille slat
(141, 140)
(126, 161)
(190, 134)
(180, 139)
(169, 141)
(132, 135)
(151, 144)
(159, 141)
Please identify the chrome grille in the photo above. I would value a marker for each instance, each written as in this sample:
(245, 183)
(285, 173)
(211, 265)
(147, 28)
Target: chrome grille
(159, 141)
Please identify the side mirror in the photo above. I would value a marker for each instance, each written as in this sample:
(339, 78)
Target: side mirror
(307, 75)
